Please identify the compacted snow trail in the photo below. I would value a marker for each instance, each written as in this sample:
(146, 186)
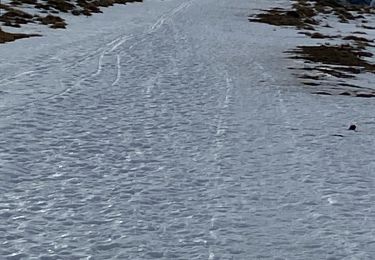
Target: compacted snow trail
(180, 137)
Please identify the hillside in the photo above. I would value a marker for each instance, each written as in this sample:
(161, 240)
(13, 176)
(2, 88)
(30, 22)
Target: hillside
(18, 13)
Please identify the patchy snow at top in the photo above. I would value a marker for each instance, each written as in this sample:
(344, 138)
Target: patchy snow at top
(335, 33)
(174, 130)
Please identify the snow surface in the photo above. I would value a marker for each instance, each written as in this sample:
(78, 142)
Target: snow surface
(174, 130)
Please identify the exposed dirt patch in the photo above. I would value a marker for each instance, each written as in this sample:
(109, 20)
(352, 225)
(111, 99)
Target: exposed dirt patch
(281, 17)
(60, 5)
(343, 55)
(356, 39)
(345, 58)
(9, 37)
(14, 17)
(317, 35)
(303, 13)
(54, 21)
(14, 14)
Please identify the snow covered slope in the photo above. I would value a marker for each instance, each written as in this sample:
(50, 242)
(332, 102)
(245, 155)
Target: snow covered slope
(174, 130)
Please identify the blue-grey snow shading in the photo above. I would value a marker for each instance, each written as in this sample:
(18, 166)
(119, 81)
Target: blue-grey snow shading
(362, 2)
(178, 134)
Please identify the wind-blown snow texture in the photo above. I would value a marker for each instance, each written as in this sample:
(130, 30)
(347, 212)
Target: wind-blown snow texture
(176, 132)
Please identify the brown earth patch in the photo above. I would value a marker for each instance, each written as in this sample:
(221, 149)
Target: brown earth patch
(54, 21)
(9, 37)
(317, 35)
(302, 13)
(281, 17)
(343, 55)
(12, 15)
(342, 61)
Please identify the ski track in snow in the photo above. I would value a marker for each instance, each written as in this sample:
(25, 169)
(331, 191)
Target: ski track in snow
(104, 50)
(118, 70)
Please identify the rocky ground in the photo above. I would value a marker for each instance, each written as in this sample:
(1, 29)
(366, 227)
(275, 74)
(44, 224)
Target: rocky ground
(17, 13)
(341, 46)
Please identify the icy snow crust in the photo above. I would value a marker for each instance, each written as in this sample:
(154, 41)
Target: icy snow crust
(173, 130)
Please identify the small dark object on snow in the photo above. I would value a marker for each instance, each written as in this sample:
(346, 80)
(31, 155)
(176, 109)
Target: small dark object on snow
(352, 127)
